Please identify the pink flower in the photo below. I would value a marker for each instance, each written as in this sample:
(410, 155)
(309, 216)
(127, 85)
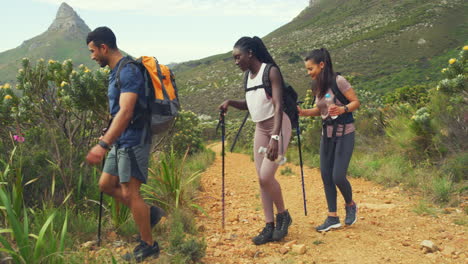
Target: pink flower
(18, 138)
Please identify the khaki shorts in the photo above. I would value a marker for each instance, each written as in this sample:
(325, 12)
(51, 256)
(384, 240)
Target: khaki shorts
(128, 162)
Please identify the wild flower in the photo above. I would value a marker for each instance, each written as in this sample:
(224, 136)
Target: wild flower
(8, 97)
(452, 61)
(19, 139)
(63, 84)
(6, 86)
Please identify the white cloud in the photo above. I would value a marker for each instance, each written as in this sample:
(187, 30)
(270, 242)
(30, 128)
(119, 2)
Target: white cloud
(277, 9)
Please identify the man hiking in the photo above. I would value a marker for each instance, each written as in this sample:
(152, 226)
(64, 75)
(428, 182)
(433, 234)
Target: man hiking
(127, 140)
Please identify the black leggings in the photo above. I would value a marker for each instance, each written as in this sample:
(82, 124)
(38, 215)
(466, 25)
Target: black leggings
(335, 155)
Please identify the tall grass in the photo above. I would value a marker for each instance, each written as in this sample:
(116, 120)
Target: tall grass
(24, 247)
(172, 184)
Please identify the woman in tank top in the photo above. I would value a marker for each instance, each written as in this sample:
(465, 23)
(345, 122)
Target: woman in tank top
(273, 130)
(337, 142)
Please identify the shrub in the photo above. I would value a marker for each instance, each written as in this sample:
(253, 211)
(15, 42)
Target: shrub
(187, 134)
(59, 112)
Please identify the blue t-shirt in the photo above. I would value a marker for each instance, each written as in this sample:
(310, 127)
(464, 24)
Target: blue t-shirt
(131, 81)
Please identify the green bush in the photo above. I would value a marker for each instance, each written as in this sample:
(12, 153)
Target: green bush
(245, 140)
(187, 134)
(417, 95)
(60, 112)
(457, 167)
(442, 188)
(186, 250)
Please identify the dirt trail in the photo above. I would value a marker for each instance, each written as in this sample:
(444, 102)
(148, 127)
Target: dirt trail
(387, 231)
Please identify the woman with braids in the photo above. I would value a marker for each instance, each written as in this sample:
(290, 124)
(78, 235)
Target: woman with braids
(337, 142)
(273, 129)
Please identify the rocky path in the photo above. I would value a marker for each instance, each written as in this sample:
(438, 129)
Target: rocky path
(388, 230)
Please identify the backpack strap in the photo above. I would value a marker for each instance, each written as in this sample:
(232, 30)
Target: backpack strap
(264, 84)
(129, 60)
(338, 94)
(161, 79)
(246, 79)
(266, 79)
(126, 60)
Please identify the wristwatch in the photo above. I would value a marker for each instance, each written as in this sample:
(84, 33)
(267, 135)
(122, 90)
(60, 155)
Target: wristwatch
(346, 110)
(104, 145)
(275, 137)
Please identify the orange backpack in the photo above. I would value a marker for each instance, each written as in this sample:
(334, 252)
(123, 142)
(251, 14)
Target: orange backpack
(160, 90)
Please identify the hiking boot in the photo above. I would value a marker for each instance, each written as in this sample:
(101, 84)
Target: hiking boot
(156, 214)
(330, 222)
(264, 236)
(351, 214)
(142, 251)
(283, 221)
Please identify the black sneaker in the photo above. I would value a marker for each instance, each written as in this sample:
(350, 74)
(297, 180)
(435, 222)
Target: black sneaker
(351, 214)
(142, 251)
(330, 222)
(264, 236)
(156, 214)
(283, 221)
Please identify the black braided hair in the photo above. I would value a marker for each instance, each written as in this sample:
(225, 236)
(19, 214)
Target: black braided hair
(325, 79)
(257, 47)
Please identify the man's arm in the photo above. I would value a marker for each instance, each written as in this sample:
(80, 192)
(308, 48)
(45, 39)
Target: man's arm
(122, 118)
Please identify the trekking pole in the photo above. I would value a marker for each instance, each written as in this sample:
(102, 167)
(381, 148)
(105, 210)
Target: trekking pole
(100, 213)
(103, 132)
(223, 134)
(239, 131)
(298, 132)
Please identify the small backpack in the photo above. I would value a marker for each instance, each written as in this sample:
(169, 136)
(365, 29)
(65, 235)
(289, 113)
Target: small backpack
(343, 119)
(160, 90)
(289, 94)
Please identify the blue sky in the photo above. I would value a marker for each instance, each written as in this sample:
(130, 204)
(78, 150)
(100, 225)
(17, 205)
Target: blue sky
(172, 30)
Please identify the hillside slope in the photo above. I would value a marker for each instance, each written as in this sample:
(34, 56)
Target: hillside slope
(386, 44)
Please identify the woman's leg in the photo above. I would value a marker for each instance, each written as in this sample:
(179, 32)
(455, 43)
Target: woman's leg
(343, 152)
(266, 169)
(261, 139)
(326, 169)
(268, 182)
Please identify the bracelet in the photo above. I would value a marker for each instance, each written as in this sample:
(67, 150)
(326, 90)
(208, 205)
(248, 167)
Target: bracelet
(104, 145)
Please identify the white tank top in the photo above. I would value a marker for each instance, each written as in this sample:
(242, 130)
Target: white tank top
(259, 103)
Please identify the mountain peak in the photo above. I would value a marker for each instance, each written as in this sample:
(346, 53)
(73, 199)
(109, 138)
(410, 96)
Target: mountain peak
(68, 20)
(65, 11)
(312, 3)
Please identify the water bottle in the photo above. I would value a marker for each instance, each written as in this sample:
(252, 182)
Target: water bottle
(280, 160)
(329, 101)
